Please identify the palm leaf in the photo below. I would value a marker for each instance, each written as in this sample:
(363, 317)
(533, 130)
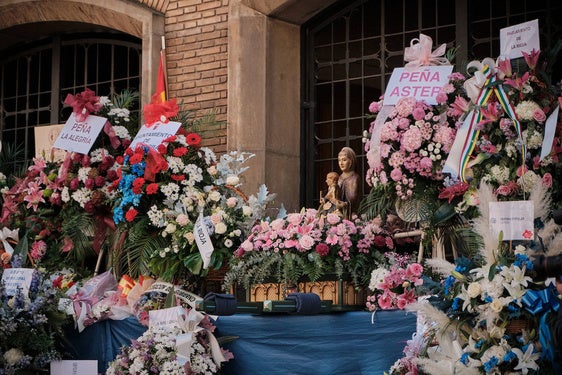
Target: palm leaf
(377, 202)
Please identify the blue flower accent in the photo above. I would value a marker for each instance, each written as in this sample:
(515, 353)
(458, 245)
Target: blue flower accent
(489, 366)
(464, 358)
(456, 304)
(509, 356)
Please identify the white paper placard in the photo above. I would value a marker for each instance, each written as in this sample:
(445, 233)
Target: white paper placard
(523, 37)
(422, 83)
(165, 318)
(513, 218)
(154, 135)
(45, 137)
(14, 278)
(80, 136)
(70, 367)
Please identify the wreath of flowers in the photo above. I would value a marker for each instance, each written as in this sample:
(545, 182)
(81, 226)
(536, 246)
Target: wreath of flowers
(305, 244)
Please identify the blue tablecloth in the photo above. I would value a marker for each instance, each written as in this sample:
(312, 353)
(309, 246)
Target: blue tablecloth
(325, 344)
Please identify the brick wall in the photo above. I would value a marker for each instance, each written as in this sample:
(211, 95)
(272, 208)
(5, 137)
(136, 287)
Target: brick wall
(196, 53)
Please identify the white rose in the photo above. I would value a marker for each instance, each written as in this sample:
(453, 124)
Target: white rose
(214, 196)
(232, 180)
(474, 290)
(220, 228)
(246, 210)
(496, 305)
(12, 356)
(170, 228)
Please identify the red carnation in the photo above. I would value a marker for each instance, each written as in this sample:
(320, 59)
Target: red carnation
(322, 249)
(152, 188)
(180, 151)
(178, 177)
(162, 148)
(379, 241)
(170, 139)
(135, 159)
(193, 139)
(131, 214)
(129, 151)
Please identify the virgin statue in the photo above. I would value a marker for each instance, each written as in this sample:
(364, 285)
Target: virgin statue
(349, 181)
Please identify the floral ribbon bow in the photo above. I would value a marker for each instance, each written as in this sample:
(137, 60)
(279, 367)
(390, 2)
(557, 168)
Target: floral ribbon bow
(83, 104)
(158, 110)
(5, 234)
(419, 53)
(190, 326)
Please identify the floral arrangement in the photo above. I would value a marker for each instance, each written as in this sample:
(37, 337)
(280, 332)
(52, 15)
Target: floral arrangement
(490, 316)
(30, 326)
(63, 207)
(162, 193)
(415, 140)
(394, 284)
(158, 351)
(507, 107)
(305, 244)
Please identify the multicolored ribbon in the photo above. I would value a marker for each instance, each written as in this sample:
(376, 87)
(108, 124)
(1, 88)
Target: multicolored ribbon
(475, 116)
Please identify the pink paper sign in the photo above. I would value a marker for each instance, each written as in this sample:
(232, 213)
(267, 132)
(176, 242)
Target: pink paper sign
(422, 83)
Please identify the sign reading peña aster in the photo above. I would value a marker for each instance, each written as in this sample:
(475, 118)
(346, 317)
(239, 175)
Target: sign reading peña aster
(422, 83)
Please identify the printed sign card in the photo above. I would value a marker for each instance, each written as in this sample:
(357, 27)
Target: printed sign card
(514, 219)
(523, 37)
(80, 136)
(164, 318)
(85, 367)
(17, 278)
(422, 83)
(154, 135)
(45, 137)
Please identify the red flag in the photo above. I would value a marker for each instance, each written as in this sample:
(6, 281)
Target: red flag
(161, 79)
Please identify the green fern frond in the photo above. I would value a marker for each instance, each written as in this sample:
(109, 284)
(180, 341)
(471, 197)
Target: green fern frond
(377, 202)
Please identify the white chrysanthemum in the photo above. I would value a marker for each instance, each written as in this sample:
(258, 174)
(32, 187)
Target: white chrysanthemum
(83, 174)
(65, 195)
(533, 139)
(194, 172)
(105, 101)
(82, 196)
(123, 113)
(121, 132)
(110, 193)
(526, 109)
(170, 191)
(377, 277)
(156, 217)
(175, 164)
(500, 174)
(96, 156)
(528, 181)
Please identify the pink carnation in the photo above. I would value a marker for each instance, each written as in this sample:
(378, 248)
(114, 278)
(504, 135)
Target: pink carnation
(396, 174)
(412, 139)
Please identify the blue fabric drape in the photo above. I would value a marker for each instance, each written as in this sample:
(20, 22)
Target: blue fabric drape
(324, 344)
